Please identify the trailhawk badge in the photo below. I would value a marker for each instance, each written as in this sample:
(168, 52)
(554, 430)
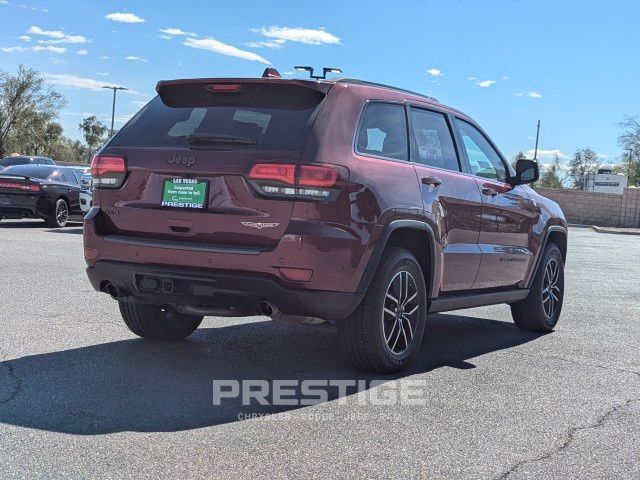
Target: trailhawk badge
(259, 225)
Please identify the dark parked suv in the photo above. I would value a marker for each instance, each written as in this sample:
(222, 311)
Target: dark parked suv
(347, 202)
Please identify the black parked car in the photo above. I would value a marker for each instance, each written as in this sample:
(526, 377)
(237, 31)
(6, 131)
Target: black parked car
(49, 192)
(24, 160)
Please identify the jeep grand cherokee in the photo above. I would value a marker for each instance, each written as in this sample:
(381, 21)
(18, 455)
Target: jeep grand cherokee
(357, 204)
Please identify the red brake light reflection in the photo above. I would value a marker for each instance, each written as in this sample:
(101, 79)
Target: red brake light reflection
(320, 176)
(222, 88)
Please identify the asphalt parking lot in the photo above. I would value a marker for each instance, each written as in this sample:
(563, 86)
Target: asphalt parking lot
(82, 397)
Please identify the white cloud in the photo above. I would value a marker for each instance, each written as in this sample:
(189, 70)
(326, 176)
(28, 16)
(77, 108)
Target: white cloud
(122, 17)
(534, 94)
(82, 51)
(37, 48)
(4, 2)
(165, 37)
(309, 36)
(118, 118)
(485, 83)
(56, 36)
(106, 57)
(49, 48)
(275, 44)
(81, 82)
(133, 58)
(34, 9)
(139, 103)
(216, 46)
(176, 32)
(103, 74)
(25, 38)
(434, 72)
(547, 154)
(473, 78)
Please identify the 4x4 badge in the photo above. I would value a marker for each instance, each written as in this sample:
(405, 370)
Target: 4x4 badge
(259, 225)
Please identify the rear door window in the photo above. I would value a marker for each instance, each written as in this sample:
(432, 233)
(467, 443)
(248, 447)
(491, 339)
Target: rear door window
(383, 131)
(433, 139)
(69, 177)
(78, 175)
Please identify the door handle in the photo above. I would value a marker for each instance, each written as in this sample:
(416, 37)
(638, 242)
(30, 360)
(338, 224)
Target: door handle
(435, 181)
(489, 191)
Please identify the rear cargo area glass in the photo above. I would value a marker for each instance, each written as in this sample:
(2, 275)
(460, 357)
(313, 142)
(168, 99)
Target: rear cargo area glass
(264, 120)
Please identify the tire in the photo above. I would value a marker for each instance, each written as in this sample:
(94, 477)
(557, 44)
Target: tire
(154, 322)
(539, 312)
(369, 333)
(57, 218)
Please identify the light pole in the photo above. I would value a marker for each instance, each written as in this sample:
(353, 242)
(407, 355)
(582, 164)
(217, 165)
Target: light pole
(535, 153)
(113, 108)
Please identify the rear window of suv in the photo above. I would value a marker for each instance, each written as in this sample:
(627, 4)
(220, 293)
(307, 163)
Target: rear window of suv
(247, 121)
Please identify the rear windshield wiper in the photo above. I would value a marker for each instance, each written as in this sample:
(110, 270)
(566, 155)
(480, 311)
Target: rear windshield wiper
(218, 139)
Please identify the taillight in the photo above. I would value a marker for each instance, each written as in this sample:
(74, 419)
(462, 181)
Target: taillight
(274, 171)
(108, 171)
(311, 182)
(25, 187)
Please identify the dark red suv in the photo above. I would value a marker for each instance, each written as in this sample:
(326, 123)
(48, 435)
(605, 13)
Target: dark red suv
(357, 204)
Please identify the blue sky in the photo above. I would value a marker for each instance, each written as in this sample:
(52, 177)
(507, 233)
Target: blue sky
(575, 65)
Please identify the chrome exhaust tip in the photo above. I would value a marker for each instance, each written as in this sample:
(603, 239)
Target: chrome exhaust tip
(113, 291)
(266, 309)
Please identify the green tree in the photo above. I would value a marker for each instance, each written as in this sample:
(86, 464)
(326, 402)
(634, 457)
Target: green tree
(95, 133)
(583, 163)
(629, 140)
(67, 150)
(551, 177)
(26, 101)
(37, 136)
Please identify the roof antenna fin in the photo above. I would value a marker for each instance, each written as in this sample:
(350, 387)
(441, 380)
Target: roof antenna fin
(271, 73)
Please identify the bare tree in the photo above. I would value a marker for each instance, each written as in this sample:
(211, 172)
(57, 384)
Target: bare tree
(25, 96)
(629, 140)
(583, 163)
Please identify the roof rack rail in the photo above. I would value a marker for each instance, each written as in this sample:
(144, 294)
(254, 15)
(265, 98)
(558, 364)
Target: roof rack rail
(356, 81)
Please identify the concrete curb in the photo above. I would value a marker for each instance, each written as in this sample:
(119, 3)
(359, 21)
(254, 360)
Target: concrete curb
(604, 230)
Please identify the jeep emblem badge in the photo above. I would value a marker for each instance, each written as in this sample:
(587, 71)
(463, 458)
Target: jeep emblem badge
(180, 159)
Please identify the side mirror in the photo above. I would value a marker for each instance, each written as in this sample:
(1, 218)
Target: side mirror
(527, 171)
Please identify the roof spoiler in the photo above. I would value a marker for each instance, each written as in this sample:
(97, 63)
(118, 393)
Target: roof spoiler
(200, 91)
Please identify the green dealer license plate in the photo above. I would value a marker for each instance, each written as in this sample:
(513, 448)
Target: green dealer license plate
(184, 193)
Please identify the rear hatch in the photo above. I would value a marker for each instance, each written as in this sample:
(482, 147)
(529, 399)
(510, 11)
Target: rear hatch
(188, 154)
(18, 191)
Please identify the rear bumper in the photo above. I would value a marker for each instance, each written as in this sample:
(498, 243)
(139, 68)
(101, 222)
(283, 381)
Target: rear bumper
(336, 256)
(22, 212)
(239, 290)
(25, 206)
